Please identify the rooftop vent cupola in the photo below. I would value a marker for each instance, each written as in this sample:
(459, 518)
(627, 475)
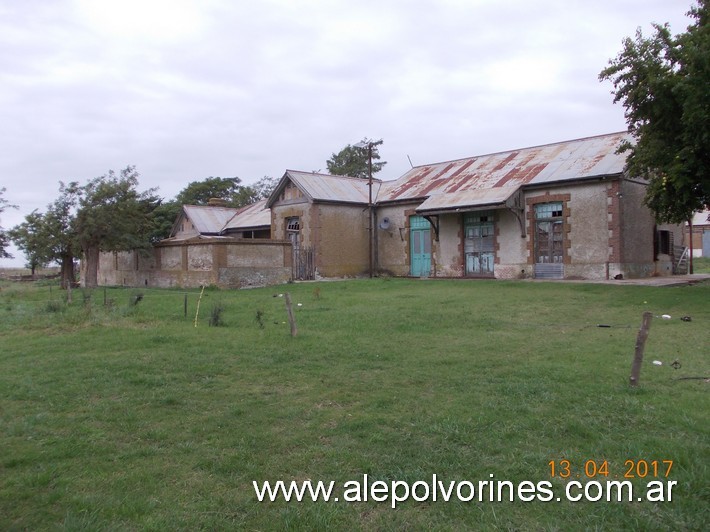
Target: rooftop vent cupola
(217, 202)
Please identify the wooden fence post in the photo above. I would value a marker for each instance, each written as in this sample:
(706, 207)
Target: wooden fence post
(291, 317)
(638, 352)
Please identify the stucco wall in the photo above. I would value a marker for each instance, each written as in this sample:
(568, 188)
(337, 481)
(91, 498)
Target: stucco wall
(227, 264)
(301, 209)
(340, 236)
(607, 231)
(637, 258)
(393, 243)
(447, 259)
(511, 247)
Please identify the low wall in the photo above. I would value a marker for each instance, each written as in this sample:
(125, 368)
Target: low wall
(226, 263)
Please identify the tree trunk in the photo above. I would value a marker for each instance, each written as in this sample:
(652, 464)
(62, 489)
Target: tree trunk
(66, 271)
(91, 272)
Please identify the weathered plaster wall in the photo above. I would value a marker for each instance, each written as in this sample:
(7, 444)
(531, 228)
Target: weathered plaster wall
(296, 208)
(184, 227)
(447, 256)
(607, 231)
(341, 239)
(637, 258)
(227, 264)
(511, 247)
(393, 243)
(591, 226)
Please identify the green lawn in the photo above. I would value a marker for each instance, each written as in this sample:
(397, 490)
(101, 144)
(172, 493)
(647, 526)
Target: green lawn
(123, 416)
(701, 265)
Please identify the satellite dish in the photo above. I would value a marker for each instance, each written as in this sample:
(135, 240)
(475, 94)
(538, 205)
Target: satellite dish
(385, 223)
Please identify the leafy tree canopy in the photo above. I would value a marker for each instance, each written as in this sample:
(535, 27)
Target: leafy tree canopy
(264, 187)
(113, 216)
(354, 161)
(4, 237)
(664, 84)
(50, 237)
(200, 192)
(30, 237)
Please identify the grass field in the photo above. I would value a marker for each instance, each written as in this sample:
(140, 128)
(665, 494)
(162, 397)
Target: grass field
(117, 413)
(701, 265)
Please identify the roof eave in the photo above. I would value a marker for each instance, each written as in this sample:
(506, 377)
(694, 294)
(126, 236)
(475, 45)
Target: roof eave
(572, 181)
(464, 208)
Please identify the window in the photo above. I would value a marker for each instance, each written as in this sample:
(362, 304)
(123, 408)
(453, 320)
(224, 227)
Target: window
(293, 224)
(548, 233)
(479, 243)
(293, 227)
(664, 241)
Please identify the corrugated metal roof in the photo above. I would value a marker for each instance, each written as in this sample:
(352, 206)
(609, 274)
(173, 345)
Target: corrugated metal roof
(551, 163)
(466, 198)
(324, 187)
(249, 217)
(208, 219)
(701, 218)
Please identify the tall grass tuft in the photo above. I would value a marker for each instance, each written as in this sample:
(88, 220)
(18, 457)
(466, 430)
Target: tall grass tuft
(216, 312)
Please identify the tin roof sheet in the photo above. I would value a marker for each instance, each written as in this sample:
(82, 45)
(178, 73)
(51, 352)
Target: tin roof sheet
(208, 219)
(325, 187)
(701, 218)
(551, 163)
(254, 215)
(466, 199)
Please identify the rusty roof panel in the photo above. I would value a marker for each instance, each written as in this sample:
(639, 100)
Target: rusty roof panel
(470, 198)
(325, 187)
(563, 161)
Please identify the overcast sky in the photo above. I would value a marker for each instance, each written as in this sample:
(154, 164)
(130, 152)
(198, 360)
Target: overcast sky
(188, 89)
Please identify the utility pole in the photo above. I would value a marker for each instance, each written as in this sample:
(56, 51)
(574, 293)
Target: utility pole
(370, 205)
(371, 208)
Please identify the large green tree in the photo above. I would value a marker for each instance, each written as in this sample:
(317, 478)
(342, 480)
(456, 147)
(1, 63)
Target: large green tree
(354, 160)
(663, 81)
(29, 236)
(113, 216)
(4, 237)
(49, 237)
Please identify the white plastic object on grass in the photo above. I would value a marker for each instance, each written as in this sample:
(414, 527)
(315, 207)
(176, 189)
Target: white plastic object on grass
(657, 363)
(666, 316)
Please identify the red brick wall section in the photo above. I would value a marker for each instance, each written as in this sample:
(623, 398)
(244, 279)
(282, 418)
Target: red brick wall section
(566, 213)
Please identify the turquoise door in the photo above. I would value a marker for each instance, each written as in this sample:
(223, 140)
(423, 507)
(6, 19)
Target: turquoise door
(420, 241)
